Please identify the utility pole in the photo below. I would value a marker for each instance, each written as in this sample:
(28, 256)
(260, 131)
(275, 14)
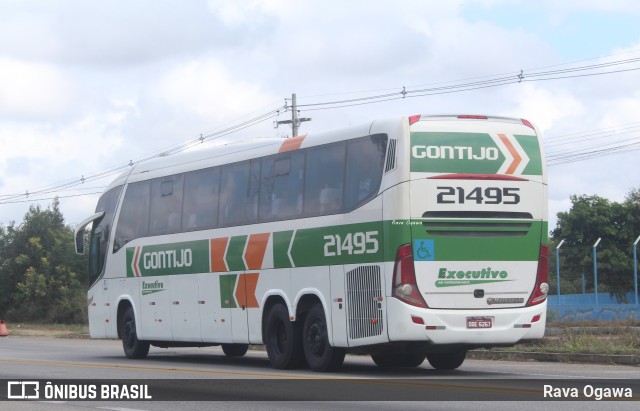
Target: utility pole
(295, 120)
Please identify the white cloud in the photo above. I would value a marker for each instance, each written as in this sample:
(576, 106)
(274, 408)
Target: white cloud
(33, 90)
(545, 107)
(245, 12)
(208, 89)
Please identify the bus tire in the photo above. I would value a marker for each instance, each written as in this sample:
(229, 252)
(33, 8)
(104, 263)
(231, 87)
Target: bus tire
(447, 361)
(388, 359)
(235, 350)
(133, 348)
(320, 355)
(283, 339)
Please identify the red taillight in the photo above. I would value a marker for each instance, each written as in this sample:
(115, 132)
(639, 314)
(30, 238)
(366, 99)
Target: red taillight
(527, 123)
(417, 320)
(541, 288)
(405, 287)
(414, 119)
(473, 117)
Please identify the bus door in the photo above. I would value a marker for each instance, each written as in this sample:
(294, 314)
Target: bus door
(185, 310)
(155, 307)
(215, 307)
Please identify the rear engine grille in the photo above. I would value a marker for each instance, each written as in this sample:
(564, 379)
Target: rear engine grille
(477, 223)
(364, 296)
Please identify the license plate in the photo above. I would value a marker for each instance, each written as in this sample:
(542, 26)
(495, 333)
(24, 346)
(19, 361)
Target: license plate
(479, 322)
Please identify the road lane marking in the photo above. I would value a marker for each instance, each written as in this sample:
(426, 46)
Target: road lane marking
(161, 369)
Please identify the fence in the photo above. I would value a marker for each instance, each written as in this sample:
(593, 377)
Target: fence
(593, 305)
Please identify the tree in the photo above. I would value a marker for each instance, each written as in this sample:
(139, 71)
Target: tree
(590, 218)
(42, 278)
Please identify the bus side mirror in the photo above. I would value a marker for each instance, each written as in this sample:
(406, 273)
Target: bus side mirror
(80, 242)
(79, 232)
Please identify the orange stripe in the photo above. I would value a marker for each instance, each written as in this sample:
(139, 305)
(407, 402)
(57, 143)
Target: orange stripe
(136, 262)
(516, 157)
(256, 247)
(246, 290)
(292, 144)
(218, 246)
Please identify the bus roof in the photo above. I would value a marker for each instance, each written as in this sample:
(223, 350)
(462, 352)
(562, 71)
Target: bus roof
(233, 151)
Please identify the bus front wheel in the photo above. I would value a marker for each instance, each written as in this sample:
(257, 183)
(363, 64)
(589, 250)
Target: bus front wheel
(133, 348)
(320, 355)
(447, 361)
(283, 339)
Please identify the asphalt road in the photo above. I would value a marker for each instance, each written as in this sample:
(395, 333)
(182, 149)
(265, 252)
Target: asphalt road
(185, 374)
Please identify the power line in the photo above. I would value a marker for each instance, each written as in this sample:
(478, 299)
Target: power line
(489, 81)
(7, 199)
(50, 198)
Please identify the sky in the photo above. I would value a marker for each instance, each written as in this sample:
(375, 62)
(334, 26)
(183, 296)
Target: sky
(89, 86)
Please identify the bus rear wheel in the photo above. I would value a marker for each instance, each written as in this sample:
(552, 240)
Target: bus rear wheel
(133, 348)
(320, 355)
(388, 359)
(447, 361)
(283, 339)
(235, 350)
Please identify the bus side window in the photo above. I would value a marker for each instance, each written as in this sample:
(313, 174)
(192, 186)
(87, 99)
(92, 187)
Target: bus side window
(200, 209)
(281, 186)
(133, 221)
(251, 204)
(166, 205)
(324, 179)
(234, 193)
(365, 162)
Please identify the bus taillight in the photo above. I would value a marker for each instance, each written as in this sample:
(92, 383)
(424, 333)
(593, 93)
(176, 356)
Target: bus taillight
(542, 278)
(473, 117)
(527, 123)
(405, 287)
(414, 119)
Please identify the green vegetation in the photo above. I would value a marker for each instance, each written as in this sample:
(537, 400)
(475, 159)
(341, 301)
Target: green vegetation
(623, 340)
(42, 279)
(590, 218)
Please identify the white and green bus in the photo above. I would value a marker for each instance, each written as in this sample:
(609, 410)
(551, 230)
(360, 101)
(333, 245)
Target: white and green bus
(419, 237)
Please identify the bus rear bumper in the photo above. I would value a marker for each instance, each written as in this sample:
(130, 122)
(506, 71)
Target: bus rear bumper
(440, 326)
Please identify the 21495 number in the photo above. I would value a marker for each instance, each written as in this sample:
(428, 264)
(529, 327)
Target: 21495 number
(351, 244)
(478, 195)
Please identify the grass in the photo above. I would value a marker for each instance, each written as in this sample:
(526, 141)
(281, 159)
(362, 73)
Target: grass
(622, 343)
(599, 337)
(48, 330)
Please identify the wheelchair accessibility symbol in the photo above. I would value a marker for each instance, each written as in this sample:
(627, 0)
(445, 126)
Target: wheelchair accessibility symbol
(423, 250)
